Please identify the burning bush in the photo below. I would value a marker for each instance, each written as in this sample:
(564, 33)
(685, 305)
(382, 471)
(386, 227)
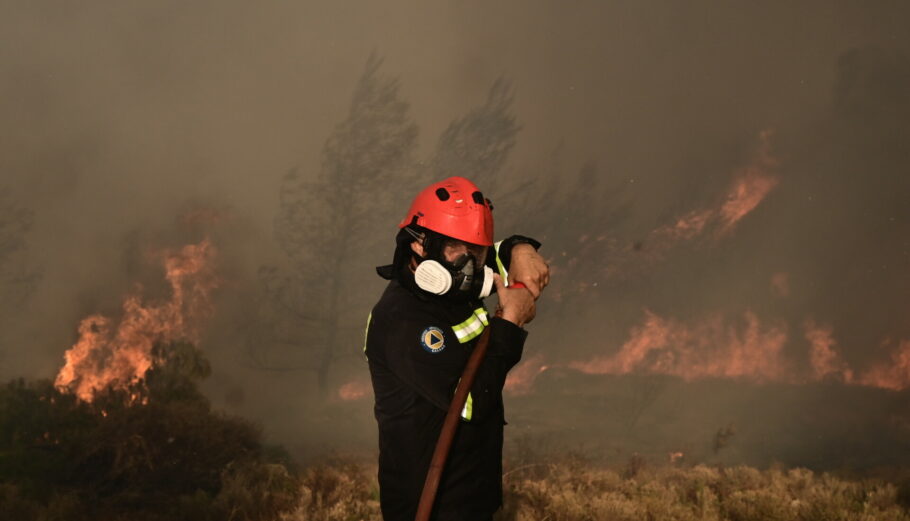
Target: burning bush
(154, 450)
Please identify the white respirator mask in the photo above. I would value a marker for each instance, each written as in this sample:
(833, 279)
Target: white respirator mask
(460, 280)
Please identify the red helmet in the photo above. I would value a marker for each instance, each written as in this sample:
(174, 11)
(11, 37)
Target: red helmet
(454, 208)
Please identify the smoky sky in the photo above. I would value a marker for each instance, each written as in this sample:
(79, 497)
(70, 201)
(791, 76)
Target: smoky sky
(118, 116)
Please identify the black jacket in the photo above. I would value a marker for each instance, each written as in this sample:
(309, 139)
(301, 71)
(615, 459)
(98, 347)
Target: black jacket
(417, 346)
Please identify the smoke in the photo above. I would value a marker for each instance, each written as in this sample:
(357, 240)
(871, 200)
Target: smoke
(738, 170)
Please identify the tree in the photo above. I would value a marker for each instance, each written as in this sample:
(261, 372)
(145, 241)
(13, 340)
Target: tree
(477, 145)
(325, 224)
(312, 311)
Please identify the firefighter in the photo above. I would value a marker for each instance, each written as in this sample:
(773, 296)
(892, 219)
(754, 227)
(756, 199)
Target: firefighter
(419, 336)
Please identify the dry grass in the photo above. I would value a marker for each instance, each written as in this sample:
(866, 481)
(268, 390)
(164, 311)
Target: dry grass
(575, 491)
(338, 492)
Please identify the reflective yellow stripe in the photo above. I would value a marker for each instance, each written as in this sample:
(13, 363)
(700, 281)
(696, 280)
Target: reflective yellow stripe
(473, 326)
(468, 410)
(502, 269)
(366, 332)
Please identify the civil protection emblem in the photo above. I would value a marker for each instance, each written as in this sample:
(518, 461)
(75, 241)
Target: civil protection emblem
(432, 340)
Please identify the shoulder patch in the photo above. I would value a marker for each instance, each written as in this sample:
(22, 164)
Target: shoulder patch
(432, 340)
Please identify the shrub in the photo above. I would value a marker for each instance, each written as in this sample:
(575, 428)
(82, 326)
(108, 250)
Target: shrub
(167, 457)
(338, 492)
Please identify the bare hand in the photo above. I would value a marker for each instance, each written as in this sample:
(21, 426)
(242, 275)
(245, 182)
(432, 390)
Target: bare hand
(515, 305)
(529, 268)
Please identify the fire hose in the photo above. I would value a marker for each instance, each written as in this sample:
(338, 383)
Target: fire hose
(450, 425)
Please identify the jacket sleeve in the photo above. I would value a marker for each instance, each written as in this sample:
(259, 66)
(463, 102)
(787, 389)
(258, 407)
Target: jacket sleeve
(501, 259)
(503, 352)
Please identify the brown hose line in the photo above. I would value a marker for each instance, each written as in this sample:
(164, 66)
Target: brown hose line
(449, 426)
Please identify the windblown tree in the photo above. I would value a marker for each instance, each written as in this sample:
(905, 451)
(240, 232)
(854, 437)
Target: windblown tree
(331, 225)
(326, 224)
(477, 145)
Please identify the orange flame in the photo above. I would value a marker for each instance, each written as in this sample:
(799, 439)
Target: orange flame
(713, 348)
(825, 361)
(354, 390)
(751, 184)
(689, 226)
(894, 375)
(118, 355)
(521, 378)
(709, 349)
(745, 195)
